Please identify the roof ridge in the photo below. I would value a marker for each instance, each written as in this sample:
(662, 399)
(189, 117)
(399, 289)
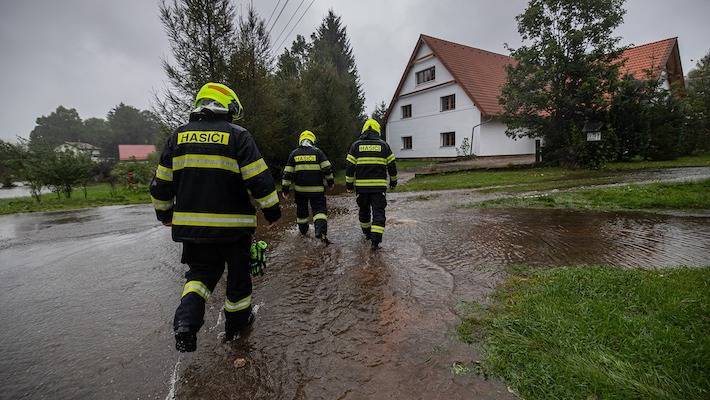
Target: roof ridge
(652, 43)
(466, 46)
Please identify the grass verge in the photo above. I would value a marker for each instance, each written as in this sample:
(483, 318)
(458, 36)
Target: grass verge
(97, 195)
(663, 196)
(543, 178)
(598, 333)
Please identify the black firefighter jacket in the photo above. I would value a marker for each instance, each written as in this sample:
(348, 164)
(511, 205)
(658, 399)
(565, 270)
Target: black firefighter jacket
(306, 169)
(368, 163)
(208, 173)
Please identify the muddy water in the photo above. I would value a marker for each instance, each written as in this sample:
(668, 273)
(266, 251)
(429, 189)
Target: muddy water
(86, 300)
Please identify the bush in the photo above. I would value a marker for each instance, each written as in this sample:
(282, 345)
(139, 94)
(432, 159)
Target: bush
(133, 172)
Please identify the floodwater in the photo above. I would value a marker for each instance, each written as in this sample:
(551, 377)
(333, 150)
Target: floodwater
(86, 299)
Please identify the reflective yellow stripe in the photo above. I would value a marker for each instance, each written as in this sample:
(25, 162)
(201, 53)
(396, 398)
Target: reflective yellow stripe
(164, 173)
(390, 158)
(288, 168)
(214, 220)
(371, 182)
(320, 216)
(372, 160)
(301, 220)
(330, 177)
(365, 224)
(285, 183)
(269, 200)
(161, 205)
(325, 164)
(349, 179)
(254, 169)
(205, 161)
(196, 287)
(377, 229)
(242, 304)
(351, 159)
(393, 178)
(307, 167)
(309, 189)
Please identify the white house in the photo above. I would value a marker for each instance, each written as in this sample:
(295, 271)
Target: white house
(449, 92)
(91, 151)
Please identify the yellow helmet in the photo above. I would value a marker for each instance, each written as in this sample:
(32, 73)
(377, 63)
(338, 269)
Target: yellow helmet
(307, 135)
(220, 99)
(371, 124)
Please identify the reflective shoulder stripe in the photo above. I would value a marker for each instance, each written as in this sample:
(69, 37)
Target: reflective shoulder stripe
(307, 167)
(377, 229)
(269, 200)
(242, 304)
(371, 160)
(349, 179)
(351, 159)
(320, 216)
(161, 205)
(214, 220)
(251, 170)
(390, 158)
(371, 182)
(205, 161)
(164, 173)
(325, 164)
(196, 287)
(288, 168)
(309, 189)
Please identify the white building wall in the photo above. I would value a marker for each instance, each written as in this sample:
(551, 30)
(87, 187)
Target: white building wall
(490, 140)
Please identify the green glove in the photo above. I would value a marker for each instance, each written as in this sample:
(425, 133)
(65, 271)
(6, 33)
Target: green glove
(257, 261)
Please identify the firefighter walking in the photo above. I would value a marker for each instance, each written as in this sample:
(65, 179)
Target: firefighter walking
(208, 172)
(306, 170)
(369, 162)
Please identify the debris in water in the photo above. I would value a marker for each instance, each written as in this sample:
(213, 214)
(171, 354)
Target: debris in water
(240, 362)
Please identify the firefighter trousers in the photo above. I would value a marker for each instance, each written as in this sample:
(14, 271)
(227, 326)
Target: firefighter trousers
(372, 214)
(206, 262)
(320, 214)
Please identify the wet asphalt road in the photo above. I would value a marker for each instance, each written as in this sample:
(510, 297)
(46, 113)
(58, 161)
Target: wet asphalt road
(86, 299)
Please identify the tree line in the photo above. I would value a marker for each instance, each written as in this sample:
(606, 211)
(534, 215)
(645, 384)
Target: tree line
(313, 84)
(567, 78)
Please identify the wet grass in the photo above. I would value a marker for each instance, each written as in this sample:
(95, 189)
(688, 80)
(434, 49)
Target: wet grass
(598, 333)
(658, 196)
(97, 195)
(542, 178)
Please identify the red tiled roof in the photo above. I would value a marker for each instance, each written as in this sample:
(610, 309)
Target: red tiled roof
(139, 152)
(482, 73)
(650, 57)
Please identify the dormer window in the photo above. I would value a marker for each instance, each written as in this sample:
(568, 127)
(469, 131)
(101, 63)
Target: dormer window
(426, 75)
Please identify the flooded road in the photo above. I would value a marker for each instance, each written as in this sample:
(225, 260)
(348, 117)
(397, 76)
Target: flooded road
(87, 299)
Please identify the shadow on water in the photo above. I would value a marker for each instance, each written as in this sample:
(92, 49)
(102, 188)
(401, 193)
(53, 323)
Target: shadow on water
(89, 297)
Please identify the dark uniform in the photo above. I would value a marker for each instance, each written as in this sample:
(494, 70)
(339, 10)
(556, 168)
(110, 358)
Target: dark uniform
(208, 172)
(306, 171)
(369, 161)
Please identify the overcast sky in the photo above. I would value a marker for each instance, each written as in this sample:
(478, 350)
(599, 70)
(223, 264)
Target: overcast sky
(92, 55)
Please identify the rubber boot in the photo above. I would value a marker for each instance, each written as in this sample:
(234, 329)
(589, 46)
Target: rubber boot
(185, 340)
(232, 333)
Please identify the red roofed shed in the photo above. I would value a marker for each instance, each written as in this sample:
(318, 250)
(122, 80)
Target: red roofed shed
(137, 152)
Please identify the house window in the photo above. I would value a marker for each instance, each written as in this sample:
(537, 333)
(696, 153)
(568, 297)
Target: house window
(448, 102)
(448, 139)
(426, 75)
(406, 142)
(407, 111)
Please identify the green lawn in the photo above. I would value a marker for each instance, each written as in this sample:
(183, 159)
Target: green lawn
(598, 333)
(543, 178)
(680, 196)
(97, 195)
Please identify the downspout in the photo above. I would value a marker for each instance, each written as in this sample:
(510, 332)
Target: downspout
(470, 153)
